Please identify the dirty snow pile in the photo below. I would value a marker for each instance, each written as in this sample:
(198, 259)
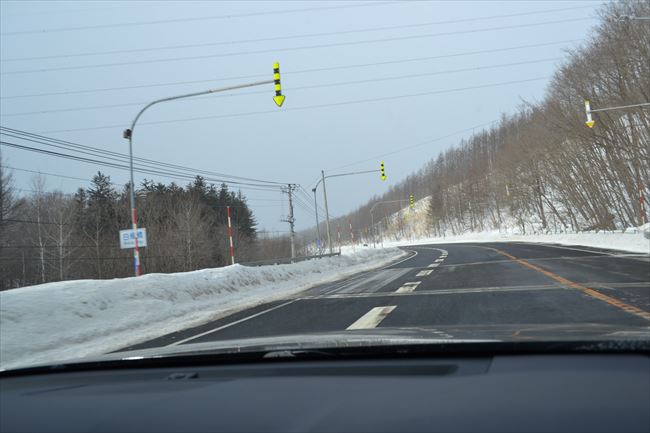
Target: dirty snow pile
(71, 319)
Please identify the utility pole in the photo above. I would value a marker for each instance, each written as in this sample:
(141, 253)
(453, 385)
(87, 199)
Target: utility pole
(291, 220)
(327, 214)
(319, 241)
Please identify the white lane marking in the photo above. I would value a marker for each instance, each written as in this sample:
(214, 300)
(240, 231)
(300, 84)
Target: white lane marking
(424, 273)
(433, 265)
(408, 287)
(372, 318)
(353, 279)
(439, 260)
(228, 325)
(431, 248)
(448, 292)
(403, 260)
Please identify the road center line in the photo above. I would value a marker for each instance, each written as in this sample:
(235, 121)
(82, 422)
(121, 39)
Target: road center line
(424, 273)
(408, 287)
(586, 290)
(372, 318)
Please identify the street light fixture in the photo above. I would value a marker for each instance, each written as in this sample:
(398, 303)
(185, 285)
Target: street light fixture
(128, 134)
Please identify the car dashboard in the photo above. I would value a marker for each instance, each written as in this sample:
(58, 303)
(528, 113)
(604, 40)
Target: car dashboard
(561, 392)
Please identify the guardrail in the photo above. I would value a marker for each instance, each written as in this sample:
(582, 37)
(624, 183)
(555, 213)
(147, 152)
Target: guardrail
(286, 260)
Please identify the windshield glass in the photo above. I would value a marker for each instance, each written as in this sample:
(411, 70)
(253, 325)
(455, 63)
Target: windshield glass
(321, 172)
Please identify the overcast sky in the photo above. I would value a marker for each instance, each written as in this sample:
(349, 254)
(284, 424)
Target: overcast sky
(463, 63)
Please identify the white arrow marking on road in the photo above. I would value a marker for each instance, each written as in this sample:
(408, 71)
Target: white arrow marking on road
(424, 273)
(408, 287)
(372, 318)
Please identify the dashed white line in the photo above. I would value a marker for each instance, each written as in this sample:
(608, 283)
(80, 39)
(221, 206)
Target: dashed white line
(439, 260)
(408, 287)
(424, 273)
(372, 318)
(433, 265)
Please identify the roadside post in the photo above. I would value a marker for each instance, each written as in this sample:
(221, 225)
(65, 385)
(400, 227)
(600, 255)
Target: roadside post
(232, 245)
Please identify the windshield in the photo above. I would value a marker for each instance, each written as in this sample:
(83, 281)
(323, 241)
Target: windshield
(321, 172)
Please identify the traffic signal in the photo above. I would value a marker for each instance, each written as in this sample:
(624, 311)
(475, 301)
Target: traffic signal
(382, 171)
(279, 97)
(411, 201)
(590, 122)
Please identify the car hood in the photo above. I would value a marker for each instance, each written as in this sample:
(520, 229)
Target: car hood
(443, 339)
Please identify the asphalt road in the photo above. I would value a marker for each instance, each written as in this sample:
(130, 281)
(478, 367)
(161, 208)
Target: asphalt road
(514, 290)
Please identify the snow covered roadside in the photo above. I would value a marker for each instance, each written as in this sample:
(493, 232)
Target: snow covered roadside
(632, 240)
(70, 319)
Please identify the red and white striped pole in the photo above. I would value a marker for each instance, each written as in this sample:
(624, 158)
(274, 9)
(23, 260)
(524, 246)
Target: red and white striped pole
(232, 246)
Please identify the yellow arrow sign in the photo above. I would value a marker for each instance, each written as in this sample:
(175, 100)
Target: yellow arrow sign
(279, 97)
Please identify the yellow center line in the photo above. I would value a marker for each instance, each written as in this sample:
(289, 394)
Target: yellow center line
(586, 290)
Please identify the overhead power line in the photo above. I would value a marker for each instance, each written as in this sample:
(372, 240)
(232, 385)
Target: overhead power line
(300, 88)
(89, 150)
(277, 38)
(44, 173)
(310, 107)
(276, 50)
(126, 167)
(303, 71)
(193, 19)
(413, 146)
(52, 174)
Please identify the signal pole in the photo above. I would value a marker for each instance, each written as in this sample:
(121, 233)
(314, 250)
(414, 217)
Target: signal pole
(382, 170)
(128, 134)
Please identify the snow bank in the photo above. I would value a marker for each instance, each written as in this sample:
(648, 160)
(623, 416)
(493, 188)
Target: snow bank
(70, 319)
(631, 240)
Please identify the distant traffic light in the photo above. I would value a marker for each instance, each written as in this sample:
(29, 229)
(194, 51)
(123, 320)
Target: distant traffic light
(383, 171)
(411, 201)
(590, 122)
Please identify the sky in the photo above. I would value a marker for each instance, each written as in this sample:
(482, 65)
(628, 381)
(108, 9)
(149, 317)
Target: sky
(365, 82)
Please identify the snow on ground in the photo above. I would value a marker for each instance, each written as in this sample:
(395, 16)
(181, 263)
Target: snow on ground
(633, 240)
(413, 227)
(70, 319)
